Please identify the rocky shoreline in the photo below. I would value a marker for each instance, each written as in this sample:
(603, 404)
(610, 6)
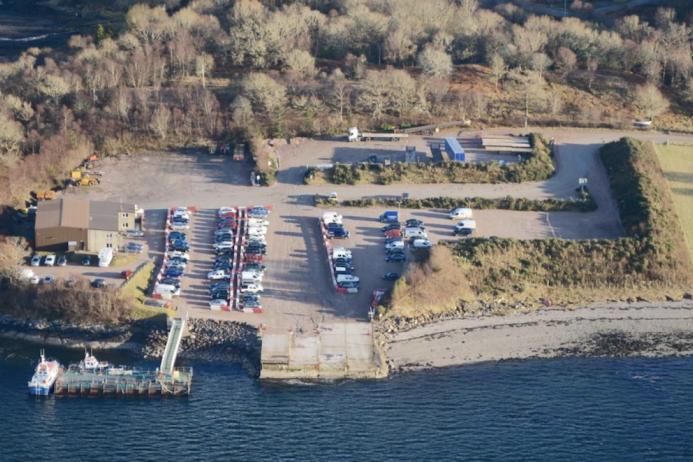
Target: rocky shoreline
(206, 340)
(212, 341)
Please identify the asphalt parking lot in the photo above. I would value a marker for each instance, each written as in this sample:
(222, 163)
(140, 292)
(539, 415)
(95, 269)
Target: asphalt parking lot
(298, 287)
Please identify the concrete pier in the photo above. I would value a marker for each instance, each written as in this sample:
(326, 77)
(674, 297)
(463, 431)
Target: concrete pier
(340, 350)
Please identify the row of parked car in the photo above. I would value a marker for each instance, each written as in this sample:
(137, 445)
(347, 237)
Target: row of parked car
(239, 242)
(342, 263)
(396, 234)
(177, 256)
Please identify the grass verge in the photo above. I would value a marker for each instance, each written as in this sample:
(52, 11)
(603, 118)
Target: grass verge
(651, 262)
(677, 164)
(135, 291)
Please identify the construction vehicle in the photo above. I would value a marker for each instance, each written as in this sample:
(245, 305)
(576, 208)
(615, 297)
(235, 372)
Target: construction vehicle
(356, 135)
(88, 180)
(45, 195)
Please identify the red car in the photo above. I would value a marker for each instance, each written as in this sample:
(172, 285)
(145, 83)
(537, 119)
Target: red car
(393, 233)
(127, 274)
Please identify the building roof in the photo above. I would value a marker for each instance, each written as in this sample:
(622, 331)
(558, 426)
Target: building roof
(75, 212)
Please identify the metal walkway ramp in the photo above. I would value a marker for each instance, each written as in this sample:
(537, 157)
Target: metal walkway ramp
(175, 335)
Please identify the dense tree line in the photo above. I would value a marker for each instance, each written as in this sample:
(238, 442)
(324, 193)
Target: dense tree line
(200, 72)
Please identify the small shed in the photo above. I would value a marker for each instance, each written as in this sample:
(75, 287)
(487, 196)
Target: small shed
(454, 150)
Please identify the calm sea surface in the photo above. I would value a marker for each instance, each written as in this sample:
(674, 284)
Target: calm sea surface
(556, 410)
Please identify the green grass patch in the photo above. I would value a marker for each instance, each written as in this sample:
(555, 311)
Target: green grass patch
(537, 166)
(677, 164)
(135, 290)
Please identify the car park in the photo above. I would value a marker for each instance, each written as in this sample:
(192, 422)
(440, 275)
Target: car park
(464, 228)
(49, 260)
(421, 244)
(460, 213)
(36, 260)
(391, 276)
(62, 261)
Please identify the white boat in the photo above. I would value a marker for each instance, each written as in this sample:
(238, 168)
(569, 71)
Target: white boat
(44, 377)
(90, 363)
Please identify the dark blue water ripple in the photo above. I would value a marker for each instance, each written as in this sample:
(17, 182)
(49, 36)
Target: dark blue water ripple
(568, 409)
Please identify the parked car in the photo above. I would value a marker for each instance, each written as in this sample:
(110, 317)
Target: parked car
(221, 285)
(252, 288)
(219, 295)
(258, 212)
(395, 245)
(223, 245)
(460, 213)
(126, 274)
(174, 272)
(390, 216)
(34, 279)
(258, 222)
(464, 228)
(421, 244)
(395, 257)
(132, 233)
(393, 233)
(133, 247)
(180, 255)
(391, 226)
(391, 276)
(176, 261)
(414, 223)
(176, 236)
(86, 261)
(180, 246)
(251, 276)
(171, 282)
(218, 274)
(218, 304)
(414, 233)
(254, 267)
(62, 261)
(36, 260)
(98, 283)
(48, 279)
(49, 260)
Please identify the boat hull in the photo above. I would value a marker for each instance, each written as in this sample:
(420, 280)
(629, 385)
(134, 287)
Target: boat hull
(40, 391)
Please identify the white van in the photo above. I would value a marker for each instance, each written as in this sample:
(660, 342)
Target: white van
(105, 256)
(414, 233)
(340, 252)
(167, 290)
(460, 213)
(464, 228)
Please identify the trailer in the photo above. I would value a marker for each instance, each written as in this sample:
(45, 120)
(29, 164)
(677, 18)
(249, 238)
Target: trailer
(356, 135)
(454, 150)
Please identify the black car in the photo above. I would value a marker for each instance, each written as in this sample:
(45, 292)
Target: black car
(256, 250)
(222, 266)
(222, 285)
(180, 246)
(395, 257)
(414, 223)
(219, 295)
(224, 253)
(98, 283)
(390, 227)
(391, 276)
(177, 261)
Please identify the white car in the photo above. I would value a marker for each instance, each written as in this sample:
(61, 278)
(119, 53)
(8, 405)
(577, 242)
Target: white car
(218, 304)
(421, 244)
(36, 260)
(223, 245)
(257, 222)
(394, 245)
(257, 230)
(331, 217)
(464, 228)
(251, 288)
(178, 254)
(49, 260)
(134, 233)
(460, 213)
(225, 210)
(251, 277)
(35, 280)
(218, 274)
(341, 252)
